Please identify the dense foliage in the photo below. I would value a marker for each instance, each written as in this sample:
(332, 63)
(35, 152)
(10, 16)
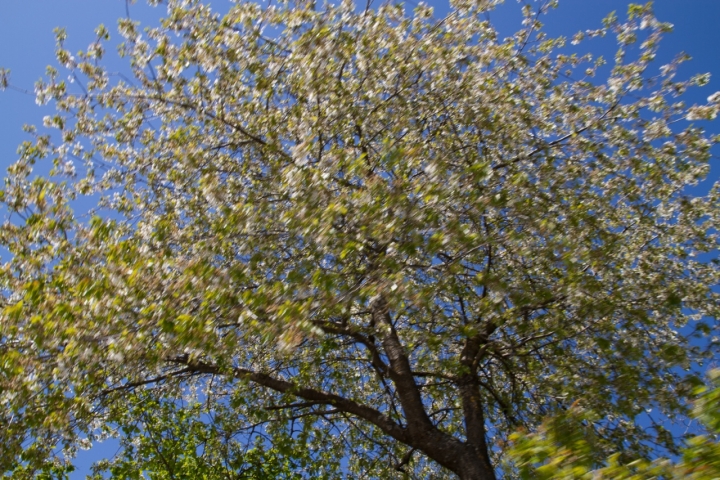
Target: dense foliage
(333, 240)
(563, 446)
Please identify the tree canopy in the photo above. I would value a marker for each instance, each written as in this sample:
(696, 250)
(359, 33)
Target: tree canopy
(335, 240)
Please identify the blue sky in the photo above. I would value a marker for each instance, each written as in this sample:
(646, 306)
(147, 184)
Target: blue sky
(27, 42)
(27, 45)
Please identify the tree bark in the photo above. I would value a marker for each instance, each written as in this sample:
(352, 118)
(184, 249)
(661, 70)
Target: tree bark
(473, 469)
(470, 459)
(475, 433)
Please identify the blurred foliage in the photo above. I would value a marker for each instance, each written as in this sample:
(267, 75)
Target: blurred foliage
(562, 448)
(324, 240)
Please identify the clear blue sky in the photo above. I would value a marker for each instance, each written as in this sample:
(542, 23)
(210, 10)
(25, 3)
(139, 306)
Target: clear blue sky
(27, 46)
(27, 42)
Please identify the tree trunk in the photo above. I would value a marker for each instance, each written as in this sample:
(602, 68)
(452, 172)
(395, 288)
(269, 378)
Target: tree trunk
(469, 459)
(461, 458)
(475, 465)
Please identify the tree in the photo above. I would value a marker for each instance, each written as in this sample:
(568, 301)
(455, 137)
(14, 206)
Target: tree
(552, 453)
(166, 440)
(371, 240)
